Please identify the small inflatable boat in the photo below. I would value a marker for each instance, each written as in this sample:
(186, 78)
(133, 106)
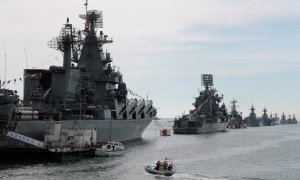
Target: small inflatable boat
(168, 170)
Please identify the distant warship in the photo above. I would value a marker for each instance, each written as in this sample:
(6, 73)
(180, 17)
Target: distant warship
(235, 118)
(85, 93)
(294, 119)
(291, 120)
(207, 116)
(265, 118)
(252, 120)
(283, 119)
(275, 119)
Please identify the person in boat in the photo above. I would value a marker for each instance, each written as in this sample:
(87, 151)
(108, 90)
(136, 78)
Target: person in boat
(165, 165)
(170, 167)
(157, 165)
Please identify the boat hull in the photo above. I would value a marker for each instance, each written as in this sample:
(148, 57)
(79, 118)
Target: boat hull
(150, 169)
(103, 153)
(205, 128)
(37, 155)
(107, 130)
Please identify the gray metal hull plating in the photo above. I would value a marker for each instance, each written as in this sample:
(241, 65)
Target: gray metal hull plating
(107, 130)
(206, 128)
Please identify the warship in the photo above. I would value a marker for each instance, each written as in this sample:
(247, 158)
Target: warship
(294, 120)
(291, 120)
(275, 119)
(252, 120)
(208, 115)
(283, 119)
(235, 118)
(85, 93)
(265, 118)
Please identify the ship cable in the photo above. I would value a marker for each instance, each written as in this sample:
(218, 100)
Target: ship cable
(158, 125)
(163, 131)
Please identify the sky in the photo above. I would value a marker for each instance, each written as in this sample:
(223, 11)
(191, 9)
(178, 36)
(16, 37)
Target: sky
(163, 46)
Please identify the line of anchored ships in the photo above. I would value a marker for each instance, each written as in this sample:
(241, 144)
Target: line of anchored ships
(209, 116)
(72, 109)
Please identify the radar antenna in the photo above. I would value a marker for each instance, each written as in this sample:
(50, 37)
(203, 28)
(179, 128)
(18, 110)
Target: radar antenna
(93, 18)
(234, 106)
(207, 80)
(69, 39)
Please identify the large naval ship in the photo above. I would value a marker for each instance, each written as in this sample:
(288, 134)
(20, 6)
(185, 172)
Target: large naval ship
(291, 120)
(235, 118)
(283, 119)
(207, 116)
(252, 120)
(275, 119)
(86, 93)
(265, 119)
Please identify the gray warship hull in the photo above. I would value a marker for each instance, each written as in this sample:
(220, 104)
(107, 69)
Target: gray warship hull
(107, 130)
(205, 128)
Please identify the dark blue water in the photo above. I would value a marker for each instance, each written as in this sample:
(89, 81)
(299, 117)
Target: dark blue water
(252, 153)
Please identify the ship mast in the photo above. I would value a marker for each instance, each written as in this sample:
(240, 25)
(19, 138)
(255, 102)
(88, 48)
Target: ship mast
(207, 81)
(86, 4)
(5, 66)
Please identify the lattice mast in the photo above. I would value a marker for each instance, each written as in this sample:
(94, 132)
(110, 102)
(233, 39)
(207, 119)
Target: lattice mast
(207, 81)
(69, 42)
(234, 106)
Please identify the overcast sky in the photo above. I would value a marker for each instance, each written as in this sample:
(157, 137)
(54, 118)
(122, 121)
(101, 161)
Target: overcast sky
(163, 46)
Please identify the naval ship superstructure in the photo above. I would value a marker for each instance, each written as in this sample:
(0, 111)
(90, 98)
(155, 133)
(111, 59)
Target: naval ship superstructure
(283, 119)
(235, 118)
(275, 119)
(265, 119)
(85, 93)
(252, 120)
(208, 115)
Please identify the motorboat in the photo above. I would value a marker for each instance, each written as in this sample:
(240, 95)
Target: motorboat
(110, 149)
